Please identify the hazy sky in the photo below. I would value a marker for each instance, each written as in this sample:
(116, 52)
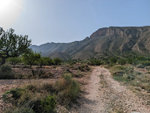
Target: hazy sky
(70, 20)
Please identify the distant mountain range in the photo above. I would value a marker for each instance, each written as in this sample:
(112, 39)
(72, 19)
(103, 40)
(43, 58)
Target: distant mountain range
(105, 41)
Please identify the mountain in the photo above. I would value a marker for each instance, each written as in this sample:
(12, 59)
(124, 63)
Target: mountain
(60, 55)
(104, 41)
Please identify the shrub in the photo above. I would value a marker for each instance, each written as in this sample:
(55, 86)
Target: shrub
(35, 73)
(84, 67)
(57, 61)
(68, 78)
(113, 60)
(49, 87)
(117, 70)
(146, 63)
(120, 67)
(95, 62)
(41, 72)
(122, 61)
(79, 75)
(6, 72)
(68, 89)
(25, 97)
(45, 104)
(5, 68)
(41, 98)
(60, 84)
(73, 90)
(36, 105)
(48, 75)
(13, 95)
(49, 103)
(20, 110)
(140, 66)
(32, 97)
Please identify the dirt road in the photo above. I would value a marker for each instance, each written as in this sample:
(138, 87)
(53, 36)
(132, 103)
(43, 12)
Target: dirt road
(105, 95)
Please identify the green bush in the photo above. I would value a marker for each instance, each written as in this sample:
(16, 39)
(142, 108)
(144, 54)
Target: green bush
(36, 105)
(120, 67)
(122, 61)
(57, 61)
(44, 61)
(16, 93)
(146, 63)
(45, 104)
(6, 72)
(95, 62)
(49, 104)
(113, 60)
(73, 90)
(5, 68)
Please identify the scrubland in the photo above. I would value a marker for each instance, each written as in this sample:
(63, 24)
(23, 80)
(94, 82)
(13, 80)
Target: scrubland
(94, 86)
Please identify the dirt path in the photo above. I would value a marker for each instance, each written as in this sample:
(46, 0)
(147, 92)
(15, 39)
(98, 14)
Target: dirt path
(105, 95)
(93, 102)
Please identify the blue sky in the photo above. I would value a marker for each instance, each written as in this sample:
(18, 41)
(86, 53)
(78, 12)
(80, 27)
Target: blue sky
(72, 20)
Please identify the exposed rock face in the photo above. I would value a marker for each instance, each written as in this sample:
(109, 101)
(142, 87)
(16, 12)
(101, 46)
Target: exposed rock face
(104, 40)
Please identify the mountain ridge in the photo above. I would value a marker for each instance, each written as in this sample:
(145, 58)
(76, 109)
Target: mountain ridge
(104, 40)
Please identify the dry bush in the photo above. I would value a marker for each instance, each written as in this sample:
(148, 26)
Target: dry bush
(68, 90)
(31, 96)
(37, 96)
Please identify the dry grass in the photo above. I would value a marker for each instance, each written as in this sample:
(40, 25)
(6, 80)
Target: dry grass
(58, 71)
(6, 85)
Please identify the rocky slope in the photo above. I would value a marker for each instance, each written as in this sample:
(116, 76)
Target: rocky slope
(104, 40)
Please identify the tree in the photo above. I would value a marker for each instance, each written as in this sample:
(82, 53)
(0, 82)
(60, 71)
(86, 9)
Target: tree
(30, 57)
(49, 61)
(95, 61)
(113, 60)
(12, 45)
(41, 61)
(14, 60)
(44, 61)
(57, 61)
(122, 61)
